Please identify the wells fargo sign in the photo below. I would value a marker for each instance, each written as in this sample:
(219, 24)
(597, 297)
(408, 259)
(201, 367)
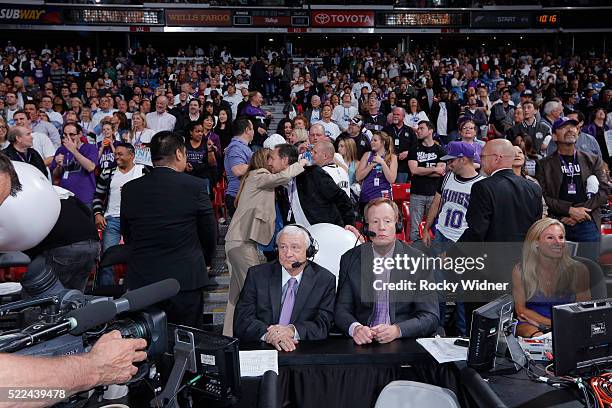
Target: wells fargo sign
(194, 17)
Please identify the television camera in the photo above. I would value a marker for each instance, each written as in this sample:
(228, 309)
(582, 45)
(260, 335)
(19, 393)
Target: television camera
(56, 321)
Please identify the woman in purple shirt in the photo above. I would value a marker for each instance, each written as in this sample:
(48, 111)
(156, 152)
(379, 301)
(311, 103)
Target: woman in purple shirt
(377, 170)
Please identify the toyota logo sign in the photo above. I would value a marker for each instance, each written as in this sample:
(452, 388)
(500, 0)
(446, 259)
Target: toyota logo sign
(340, 18)
(322, 19)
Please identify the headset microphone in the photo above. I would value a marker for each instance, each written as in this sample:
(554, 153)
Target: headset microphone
(297, 264)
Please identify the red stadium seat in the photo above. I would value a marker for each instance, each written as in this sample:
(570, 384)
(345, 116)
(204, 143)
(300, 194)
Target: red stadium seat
(13, 273)
(400, 192)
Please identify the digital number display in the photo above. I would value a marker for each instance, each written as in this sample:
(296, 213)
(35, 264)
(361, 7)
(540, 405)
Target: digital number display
(547, 19)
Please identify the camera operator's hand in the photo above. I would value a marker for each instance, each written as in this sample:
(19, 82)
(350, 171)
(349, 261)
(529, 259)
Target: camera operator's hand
(113, 358)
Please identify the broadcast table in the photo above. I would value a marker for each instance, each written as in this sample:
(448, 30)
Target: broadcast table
(338, 373)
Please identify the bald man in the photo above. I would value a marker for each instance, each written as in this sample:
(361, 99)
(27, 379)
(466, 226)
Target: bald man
(502, 206)
(20, 148)
(160, 119)
(323, 156)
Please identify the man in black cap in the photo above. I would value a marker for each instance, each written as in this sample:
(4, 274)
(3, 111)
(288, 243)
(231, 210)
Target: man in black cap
(574, 186)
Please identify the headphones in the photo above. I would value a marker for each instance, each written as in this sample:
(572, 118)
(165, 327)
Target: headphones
(313, 245)
(399, 225)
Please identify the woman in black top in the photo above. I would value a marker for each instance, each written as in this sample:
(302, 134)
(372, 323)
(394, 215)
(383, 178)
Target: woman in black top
(224, 128)
(200, 154)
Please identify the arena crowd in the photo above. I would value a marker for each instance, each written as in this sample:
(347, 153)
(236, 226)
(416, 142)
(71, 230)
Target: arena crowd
(357, 120)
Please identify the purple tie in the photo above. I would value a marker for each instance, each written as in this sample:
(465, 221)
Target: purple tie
(285, 315)
(381, 308)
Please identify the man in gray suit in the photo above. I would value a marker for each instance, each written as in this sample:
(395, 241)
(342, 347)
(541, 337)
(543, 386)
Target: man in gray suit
(366, 309)
(287, 300)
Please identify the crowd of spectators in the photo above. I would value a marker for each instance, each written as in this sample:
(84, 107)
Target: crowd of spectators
(365, 117)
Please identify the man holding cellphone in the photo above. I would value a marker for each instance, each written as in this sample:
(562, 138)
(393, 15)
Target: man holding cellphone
(74, 164)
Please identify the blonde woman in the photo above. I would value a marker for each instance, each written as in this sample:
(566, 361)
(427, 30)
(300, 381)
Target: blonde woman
(253, 223)
(139, 133)
(547, 276)
(348, 149)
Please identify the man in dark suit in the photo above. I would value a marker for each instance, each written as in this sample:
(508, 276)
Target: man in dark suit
(287, 300)
(502, 206)
(168, 222)
(312, 197)
(365, 309)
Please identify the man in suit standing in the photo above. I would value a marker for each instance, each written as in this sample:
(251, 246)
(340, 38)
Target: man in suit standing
(502, 206)
(287, 300)
(368, 311)
(168, 222)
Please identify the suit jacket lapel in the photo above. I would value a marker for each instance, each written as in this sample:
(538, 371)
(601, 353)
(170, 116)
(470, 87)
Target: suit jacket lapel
(367, 275)
(306, 285)
(275, 291)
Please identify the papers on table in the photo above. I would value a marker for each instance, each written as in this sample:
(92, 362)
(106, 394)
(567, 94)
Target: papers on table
(256, 362)
(443, 349)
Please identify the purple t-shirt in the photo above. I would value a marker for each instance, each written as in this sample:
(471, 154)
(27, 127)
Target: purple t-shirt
(74, 177)
(238, 152)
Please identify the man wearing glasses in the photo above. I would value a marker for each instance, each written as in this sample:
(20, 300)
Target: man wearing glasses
(74, 164)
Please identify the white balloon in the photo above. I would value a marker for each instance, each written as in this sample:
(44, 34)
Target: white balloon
(27, 218)
(333, 242)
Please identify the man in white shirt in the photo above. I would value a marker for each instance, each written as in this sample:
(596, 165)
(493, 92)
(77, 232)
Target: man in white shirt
(107, 201)
(331, 129)
(323, 156)
(103, 111)
(214, 84)
(356, 90)
(160, 119)
(41, 143)
(11, 106)
(46, 104)
(40, 126)
(342, 114)
(233, 99)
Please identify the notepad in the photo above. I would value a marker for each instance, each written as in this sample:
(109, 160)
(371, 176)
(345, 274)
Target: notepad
(444, 349)
(254, 363)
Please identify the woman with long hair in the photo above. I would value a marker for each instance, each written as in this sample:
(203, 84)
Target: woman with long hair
(348, 149)
(377, 170)
(525, 142)
(254, 223)
(201, 160)
(597, 128)
(121, 123)
(414, 114)
(139, 133)
(546, 276)
(106, 147)
(519, 167)
(224, 127)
